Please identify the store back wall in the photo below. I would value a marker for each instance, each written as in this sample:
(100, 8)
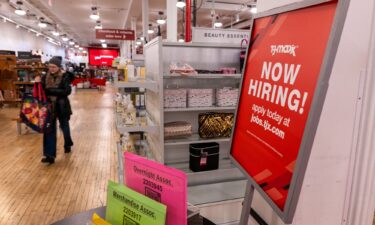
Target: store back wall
(21, 40)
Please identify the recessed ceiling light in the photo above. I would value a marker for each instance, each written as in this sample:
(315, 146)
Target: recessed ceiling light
(161, 21)
(20, 12)
(181, 4)
(71, 42)
(42, 24)
(94, 14)
(80, 48)
(98, 26)
(253, 10)
(138, 42)
(55, 33)
(65, 38)
(150, 30)
(102, 41)
(76, 46)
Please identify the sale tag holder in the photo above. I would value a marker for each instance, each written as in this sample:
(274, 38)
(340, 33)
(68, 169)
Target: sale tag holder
(286, 210)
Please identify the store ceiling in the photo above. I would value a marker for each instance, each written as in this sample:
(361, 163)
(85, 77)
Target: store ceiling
(72, 16)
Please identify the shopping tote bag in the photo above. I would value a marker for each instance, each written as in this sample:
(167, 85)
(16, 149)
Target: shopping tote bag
(36, 111)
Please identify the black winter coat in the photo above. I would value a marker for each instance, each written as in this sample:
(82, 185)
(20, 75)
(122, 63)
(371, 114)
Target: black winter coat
(62, 107)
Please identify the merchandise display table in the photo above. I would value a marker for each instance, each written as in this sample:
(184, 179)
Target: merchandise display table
(86, 218)
(96, 81)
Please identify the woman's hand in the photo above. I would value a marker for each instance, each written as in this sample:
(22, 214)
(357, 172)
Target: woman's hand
(38, 79)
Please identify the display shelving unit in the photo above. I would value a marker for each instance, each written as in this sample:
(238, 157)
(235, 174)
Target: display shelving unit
(227, 182)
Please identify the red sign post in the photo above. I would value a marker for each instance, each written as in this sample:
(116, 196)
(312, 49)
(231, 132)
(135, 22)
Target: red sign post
(282, 94)
(115, 34)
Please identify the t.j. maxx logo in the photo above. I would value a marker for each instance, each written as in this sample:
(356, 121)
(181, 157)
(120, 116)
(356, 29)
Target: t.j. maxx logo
(284, 49)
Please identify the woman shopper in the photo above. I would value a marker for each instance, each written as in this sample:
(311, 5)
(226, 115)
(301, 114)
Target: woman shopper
(56, 85)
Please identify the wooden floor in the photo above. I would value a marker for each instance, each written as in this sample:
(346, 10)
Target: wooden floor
(35, 194)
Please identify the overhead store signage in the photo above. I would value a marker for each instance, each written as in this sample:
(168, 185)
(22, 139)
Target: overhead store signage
(161, 183)
(283, 89)
(125, 206)
(115, 34)
(24, 55)
(223, 36)
(102, 57)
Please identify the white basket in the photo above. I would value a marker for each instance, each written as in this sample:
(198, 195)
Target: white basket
(227, 97)
(200, 97)
(175, 98)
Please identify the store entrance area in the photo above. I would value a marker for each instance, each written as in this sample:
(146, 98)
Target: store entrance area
(32, 193)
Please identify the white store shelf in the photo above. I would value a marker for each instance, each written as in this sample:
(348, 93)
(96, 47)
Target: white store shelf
(198, 109)
(226, 172)
(147, 84)
(219, 192)
(149, 127)
(203, 76)
(193, 139)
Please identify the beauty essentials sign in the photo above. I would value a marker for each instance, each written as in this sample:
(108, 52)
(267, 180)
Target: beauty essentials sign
(160, 183)
(283, 69)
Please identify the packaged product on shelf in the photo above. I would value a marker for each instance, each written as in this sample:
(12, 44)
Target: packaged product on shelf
(177, 129)
(226, 97)
(200, 97)
(131, 72)
(215, 125)
(183, 69)
(175, 98)
(228, 70)
(204, 156)
(127, 143)
(130, 114)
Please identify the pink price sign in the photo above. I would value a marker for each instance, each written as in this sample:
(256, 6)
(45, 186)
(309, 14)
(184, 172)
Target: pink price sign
(161, 183)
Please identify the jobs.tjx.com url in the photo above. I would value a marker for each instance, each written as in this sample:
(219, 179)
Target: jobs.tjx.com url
(267, 126)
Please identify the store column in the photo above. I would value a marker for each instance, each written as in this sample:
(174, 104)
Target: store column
(134, 28)
(145, 19)
(172, 20)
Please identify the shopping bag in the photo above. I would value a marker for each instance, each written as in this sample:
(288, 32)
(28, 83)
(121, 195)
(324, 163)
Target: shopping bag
(36, 111)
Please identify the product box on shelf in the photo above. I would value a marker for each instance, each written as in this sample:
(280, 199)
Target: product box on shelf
(215, 125)
(175, 98)
(200, 97)
(177, 129)
(226, 97)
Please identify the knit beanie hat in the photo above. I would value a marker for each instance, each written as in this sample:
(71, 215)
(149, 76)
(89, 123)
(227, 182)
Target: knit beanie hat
(56, 60)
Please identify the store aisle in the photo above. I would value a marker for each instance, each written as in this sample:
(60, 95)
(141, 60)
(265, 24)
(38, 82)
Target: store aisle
(34, 194)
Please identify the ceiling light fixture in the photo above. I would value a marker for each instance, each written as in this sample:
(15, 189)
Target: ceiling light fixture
(18, 26)
(65, 38)
(253, 10)
(181, 40)
(80, 48)
(37, 34)
(104, 45)
(142, 38)
(102, 41)
(71, 42)
(94, 14)
(218, 23)
(76, 46)
(42, 23)
(161, 20)
(55, 33)
(181, 4)
(238, 18)
(150, 29)
(19, 11)
(138, 42)
(98, 25)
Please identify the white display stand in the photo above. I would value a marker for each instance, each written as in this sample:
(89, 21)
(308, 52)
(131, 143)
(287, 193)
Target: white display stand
(175, 152)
